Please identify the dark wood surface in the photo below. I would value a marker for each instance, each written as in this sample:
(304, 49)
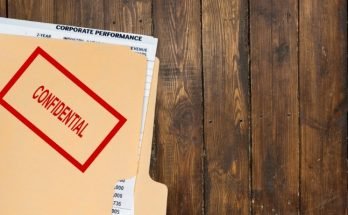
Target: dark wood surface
(251, 114)
(275, 106)
(179, 115)
(226, 106)
(323, 106)
(3, 8)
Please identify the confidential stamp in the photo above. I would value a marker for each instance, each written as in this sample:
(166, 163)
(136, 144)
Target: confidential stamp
(62, 110)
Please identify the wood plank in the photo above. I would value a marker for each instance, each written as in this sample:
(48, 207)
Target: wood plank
(36, 10)
(3, 8)
(179, 116)
(275, 107)
(323, 106)
(227, 108)
(80, 13)
(128, 16)
(125, 16)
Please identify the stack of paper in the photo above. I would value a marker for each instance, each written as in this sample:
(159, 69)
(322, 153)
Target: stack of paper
(77, 112)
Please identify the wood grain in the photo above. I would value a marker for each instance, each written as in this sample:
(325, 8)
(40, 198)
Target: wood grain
(293, 115)
(179, 116)
(80, 13)
(35, 10)
(3, 8)
(275, 107)
(227, 109)
(323, 100)
(129, 16)
(126, 16)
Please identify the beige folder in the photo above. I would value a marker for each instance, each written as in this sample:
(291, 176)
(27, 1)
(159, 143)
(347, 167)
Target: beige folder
(69, 122)
(150, 196)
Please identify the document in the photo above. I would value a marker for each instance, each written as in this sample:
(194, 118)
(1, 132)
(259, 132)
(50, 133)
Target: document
(68, 110)
(146, 45)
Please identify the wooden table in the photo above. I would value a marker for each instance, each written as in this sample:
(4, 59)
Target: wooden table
(252, 103)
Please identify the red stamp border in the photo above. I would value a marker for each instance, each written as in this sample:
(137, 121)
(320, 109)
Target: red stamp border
(81, 166)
